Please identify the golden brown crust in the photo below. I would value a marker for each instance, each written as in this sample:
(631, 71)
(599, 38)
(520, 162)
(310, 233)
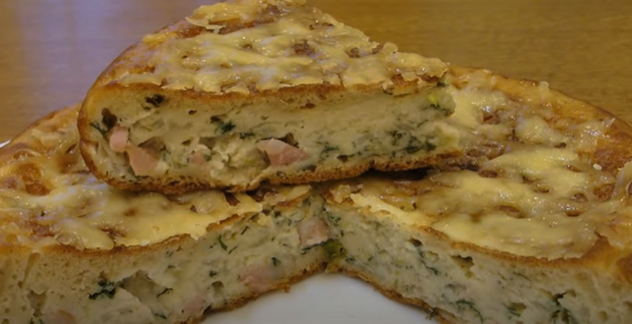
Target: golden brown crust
(440, 315)
(624, 265)
(173, 186)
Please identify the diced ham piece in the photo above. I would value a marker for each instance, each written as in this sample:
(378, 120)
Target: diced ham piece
(281, 153)
(260, 278)
(141, 161)
(198, 158)
(194, 306)
(312, 231)
(118, 139)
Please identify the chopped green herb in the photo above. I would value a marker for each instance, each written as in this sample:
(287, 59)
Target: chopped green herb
(434, 99)
(275, 261)
(106, 288)
(414, 145)
(222, 126)
(233, 249)
(212, 273)
(441, 109)
(562, 314)
(164, 291)
(160, 315)
(244, 230)
(515, 309)
(155, 100)
(333, 218)
(327, 149)
(422, 256)
(96, 126)
(464, 305)
(432, 313)
(221, 243)
(334, 249)
(227, 127)
(396, 136)
(518, 274)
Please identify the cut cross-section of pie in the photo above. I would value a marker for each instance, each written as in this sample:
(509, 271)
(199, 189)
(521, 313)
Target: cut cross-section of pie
(75, 250)
(275, 91)
(534, 228)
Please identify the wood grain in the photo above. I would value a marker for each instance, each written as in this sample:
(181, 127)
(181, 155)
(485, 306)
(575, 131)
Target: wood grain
(53, 50)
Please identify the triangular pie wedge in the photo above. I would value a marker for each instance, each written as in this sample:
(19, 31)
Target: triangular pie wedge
(247, 91)
(75, 250)
(535, 228)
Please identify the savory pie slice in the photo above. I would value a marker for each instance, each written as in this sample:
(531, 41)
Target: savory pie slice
(538, 232)
(250, 91)
(535, 227)
(74, 250)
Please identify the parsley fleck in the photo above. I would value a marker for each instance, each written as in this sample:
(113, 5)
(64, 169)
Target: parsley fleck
(222, 126)
(221, 243)
(107, 288)
(99, 129)
(275, 261)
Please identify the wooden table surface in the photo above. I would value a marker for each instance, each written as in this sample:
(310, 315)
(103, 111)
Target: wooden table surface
(53, 50)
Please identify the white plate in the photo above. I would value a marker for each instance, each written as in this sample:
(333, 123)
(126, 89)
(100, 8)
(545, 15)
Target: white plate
(324, 298)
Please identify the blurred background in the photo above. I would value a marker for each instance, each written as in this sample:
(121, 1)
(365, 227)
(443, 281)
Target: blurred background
(52, 50)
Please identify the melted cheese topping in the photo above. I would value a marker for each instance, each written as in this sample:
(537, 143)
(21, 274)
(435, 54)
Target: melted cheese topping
(289, 45)
(546, 166)
(109, 218)
(538, 198)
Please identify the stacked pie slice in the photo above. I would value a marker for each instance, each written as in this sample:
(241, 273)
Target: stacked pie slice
(225, 156)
